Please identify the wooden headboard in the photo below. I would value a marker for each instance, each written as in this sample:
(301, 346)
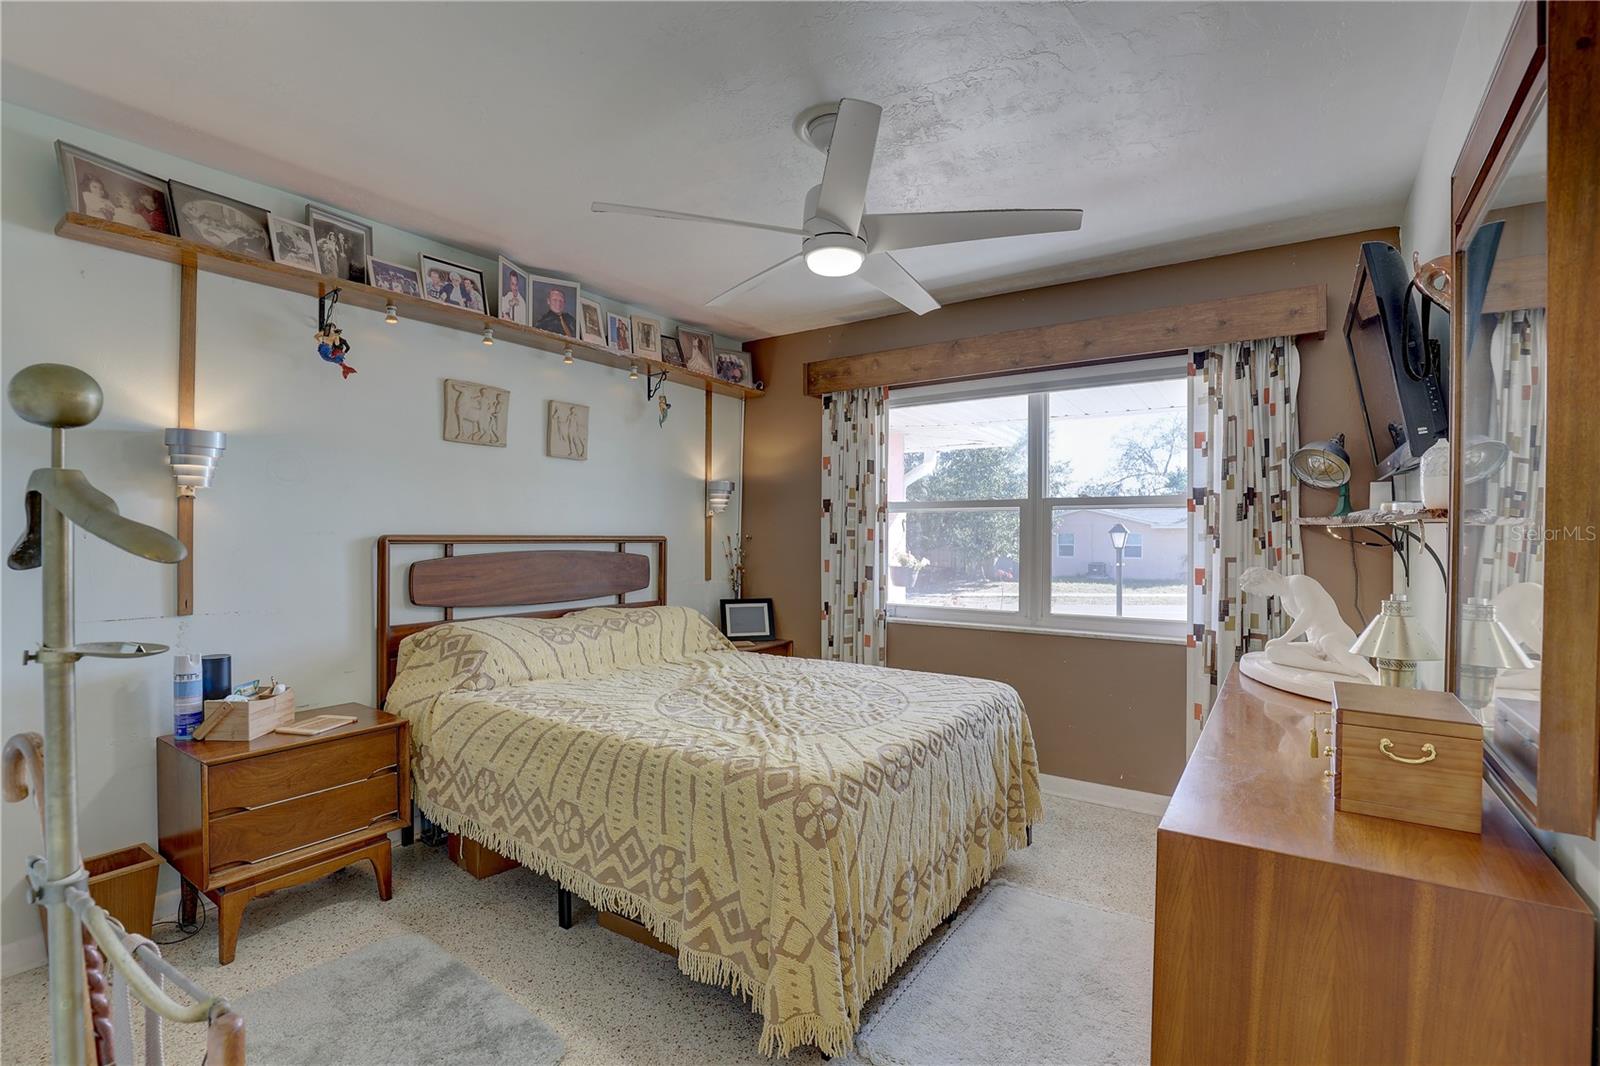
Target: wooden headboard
(526, 577)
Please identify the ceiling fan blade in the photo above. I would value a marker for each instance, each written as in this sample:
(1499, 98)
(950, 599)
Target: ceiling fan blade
(887, 233)
(844, 177)
(882, 272)
(656, 212)
(751, 282)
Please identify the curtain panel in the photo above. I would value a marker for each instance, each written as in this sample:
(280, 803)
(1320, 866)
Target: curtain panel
(855, 507)
(1510, 553)
(1244, 427)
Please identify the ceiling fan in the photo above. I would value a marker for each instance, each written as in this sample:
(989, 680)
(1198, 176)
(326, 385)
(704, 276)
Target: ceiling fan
(838, 239)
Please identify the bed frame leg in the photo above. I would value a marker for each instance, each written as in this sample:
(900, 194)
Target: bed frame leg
(408, 835)
(564, 908)
(1030, 836)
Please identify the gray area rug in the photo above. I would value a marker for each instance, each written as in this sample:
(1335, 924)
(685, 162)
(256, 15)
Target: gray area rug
(400, 1001)
(1021, 977)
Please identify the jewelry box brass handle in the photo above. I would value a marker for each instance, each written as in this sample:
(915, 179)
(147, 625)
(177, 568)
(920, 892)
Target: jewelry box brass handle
(1428, 753)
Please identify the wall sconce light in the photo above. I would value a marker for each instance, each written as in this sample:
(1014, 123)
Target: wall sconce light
(566, 357)
(1396, 642)
(488, 337)
(193, 455)
(391, 315)
(718, 493)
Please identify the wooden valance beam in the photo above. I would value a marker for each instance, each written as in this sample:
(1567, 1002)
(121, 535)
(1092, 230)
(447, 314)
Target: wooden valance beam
(1282, 313)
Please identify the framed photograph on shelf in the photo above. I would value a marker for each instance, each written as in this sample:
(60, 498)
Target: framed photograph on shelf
(392, 277)
(513, 305)
(699, 352)
(553, 303)
(445, 282)
(646, 335)
(220, 221)
(343, 244)
(670, 352)
(106, 190)
(747, 619)
(735, 367)
(594, 322)
(293, 243)
(621, 334)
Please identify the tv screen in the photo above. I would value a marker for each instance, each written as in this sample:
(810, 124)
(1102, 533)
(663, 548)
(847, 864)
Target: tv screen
(1400, 360)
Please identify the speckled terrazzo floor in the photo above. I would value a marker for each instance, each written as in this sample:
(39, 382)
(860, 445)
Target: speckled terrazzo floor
(611, 1000)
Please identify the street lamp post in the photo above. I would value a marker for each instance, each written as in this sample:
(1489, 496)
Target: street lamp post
(1119, 541)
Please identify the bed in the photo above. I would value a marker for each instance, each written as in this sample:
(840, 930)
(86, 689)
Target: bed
(794, 828)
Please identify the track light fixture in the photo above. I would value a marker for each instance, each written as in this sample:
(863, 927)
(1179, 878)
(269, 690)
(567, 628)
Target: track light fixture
(488, 337)
(390, 316)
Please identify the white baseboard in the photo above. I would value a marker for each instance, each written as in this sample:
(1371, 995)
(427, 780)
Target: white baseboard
(1105, 795)
(25, 954)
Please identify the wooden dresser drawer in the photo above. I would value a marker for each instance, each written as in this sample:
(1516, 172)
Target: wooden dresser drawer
(297, 771)
(252, 835)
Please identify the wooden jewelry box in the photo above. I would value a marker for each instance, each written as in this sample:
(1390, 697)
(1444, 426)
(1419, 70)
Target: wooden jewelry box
(1408, 754)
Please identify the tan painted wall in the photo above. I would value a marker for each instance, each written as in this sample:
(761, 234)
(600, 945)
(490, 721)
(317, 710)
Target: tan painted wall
(1102, 710)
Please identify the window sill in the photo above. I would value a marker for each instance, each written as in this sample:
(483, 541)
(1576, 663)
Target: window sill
(1049, 631)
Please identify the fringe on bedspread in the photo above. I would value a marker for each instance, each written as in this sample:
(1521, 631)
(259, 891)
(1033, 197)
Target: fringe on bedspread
(777, 1038)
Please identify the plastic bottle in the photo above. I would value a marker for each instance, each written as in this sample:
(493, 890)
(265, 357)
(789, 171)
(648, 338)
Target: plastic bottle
(188, 710)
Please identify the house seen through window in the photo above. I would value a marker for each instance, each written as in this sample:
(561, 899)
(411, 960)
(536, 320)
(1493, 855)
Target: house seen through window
(1004, 495)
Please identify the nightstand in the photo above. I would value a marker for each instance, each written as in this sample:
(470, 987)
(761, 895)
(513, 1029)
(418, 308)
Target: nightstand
(242, 818)
(766, 647)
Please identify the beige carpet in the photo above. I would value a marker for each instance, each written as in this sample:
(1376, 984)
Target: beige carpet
(1020, 978)
(609, 999)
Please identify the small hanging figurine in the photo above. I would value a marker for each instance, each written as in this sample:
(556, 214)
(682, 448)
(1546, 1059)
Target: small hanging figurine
(663, 406)
(333, 348)
(331, 345)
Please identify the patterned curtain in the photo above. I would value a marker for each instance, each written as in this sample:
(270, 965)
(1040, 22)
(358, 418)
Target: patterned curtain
(1244, 425)
(1510, 555)
(854, 509)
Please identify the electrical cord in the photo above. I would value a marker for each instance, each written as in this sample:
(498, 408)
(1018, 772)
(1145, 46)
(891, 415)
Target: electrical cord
(183, 930)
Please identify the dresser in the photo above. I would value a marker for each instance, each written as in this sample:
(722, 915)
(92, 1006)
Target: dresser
(239, 819)
(1288, 932)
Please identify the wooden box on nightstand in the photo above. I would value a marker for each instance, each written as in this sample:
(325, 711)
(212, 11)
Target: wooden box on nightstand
(766, 647)
(242, 818)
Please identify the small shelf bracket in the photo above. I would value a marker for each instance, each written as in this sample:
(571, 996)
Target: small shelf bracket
(653, 383)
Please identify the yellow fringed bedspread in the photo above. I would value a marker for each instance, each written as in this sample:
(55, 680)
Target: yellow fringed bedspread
(794, 827)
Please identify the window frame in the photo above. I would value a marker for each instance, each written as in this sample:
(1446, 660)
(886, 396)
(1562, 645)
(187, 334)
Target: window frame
(1036, 542)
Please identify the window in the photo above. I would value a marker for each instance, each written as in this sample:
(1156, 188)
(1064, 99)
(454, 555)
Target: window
(1004, 496)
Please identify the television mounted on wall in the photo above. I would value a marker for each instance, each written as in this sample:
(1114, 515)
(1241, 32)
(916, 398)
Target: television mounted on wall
(1399, 344)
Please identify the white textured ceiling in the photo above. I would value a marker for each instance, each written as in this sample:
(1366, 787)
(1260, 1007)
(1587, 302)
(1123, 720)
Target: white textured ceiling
(1181, 129)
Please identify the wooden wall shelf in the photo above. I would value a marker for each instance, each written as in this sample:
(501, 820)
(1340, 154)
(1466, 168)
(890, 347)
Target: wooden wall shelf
(178, 251)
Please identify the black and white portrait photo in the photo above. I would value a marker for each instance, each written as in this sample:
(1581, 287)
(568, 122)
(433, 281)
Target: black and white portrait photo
(292, 243)
(699, 354)
(594, 323)
(451, 283)
(513, 292)
(110, 191)
(393, 277)
(555, 305)
(220, 221)
(343, 244)
(646, 335)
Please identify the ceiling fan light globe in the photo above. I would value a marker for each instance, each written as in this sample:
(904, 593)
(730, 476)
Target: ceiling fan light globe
(834, 255)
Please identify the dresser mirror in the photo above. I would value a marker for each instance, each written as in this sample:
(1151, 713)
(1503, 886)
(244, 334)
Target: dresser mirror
(1523, 647)
(1500, 558)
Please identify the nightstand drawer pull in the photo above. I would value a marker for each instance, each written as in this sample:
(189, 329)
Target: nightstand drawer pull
(1429, 753)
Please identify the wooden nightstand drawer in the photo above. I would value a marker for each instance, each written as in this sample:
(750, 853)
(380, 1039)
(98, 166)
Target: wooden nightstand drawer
(299, 771)
(243, 818)
(253, 835)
